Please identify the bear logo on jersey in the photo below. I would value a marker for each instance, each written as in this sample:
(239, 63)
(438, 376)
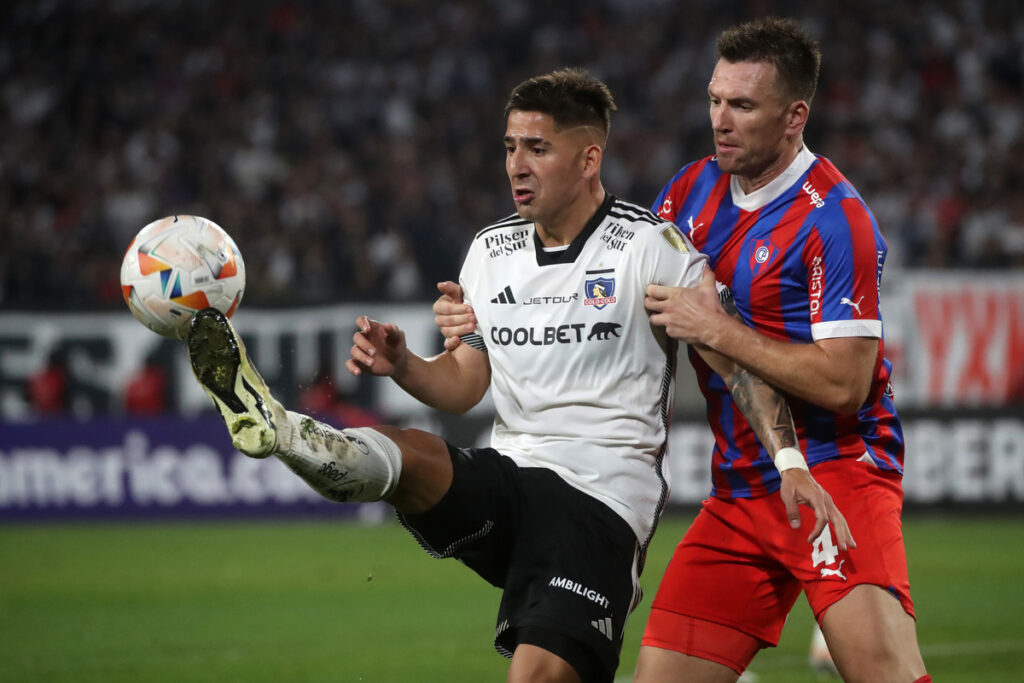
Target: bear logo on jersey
(599, 292)
(604, 331)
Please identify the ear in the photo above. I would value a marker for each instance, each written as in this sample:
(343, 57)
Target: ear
(592, 156)
(796, 118)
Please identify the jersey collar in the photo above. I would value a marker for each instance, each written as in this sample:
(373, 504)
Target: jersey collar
(547, 258)
(762, 197)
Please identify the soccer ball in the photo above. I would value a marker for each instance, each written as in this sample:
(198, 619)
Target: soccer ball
(179, 265)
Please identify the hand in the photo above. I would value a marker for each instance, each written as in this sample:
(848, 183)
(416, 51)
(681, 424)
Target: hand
(688, 314)
(800, 488)
(378, 348)
(451, 315)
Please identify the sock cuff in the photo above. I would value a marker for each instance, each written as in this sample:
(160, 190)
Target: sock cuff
(385, 447)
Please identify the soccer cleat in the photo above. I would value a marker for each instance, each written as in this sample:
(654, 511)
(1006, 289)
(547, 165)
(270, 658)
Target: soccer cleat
(222, 367)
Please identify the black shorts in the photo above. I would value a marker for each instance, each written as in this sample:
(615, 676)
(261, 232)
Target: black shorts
(566, 561)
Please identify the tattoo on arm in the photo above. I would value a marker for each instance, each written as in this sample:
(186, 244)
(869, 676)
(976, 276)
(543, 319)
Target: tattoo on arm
(729, 305)
(764, 407)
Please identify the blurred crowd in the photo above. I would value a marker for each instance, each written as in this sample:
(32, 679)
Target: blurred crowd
(352, 148)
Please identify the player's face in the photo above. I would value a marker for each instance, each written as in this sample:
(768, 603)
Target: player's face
(545, 167)
(748, 118)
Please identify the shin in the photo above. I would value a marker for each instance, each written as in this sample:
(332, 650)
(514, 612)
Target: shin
(342, 465)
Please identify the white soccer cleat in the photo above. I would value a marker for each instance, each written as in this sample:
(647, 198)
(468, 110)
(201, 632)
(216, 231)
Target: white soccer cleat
(222, 367)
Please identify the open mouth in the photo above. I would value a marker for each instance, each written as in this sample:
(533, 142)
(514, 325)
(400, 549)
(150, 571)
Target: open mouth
(522, 195)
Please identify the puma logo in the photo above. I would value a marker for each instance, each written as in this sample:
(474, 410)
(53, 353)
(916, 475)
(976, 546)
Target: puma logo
(693, 228)
(825, 571)
(855, 306)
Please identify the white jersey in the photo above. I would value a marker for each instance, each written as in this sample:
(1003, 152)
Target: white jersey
(581, 383)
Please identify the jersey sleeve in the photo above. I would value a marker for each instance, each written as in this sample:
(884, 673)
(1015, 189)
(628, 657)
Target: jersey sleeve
(671, 259)
(469, 279)
(843, 258)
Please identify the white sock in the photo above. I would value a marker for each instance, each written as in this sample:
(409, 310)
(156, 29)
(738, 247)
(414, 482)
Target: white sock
(343, 465)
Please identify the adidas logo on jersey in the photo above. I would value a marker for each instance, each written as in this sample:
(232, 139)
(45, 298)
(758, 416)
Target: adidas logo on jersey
(605, 627)
(504, 296)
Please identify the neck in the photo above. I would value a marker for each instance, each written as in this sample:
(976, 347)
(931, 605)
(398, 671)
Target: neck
(791, 148)
(563, 228)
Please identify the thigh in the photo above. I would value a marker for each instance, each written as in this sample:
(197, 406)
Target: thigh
(722, 574)
(572, 579)
(477, 520)
(872, 638)
(658, 665)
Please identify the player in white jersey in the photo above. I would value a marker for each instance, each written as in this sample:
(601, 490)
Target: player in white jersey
(581, 384)
(558, 512)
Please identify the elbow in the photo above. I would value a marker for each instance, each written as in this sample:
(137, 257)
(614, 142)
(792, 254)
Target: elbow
(846, 400)
(468, 402)
(460, 409)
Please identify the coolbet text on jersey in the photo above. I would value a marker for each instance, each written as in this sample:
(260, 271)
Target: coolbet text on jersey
(580, 382)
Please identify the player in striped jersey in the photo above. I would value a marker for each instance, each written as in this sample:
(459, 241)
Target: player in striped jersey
(802, 255)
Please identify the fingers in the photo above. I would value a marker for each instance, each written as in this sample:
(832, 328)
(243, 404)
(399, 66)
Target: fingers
(353, 367)
(446, 308)
(450, 289)
(451, 343)
(454, 317)
(844, 537)
(362, 351)
(653, 304)
(455, 325)
(789, 499)
(821, 519)
(363, 348)
(660, 292)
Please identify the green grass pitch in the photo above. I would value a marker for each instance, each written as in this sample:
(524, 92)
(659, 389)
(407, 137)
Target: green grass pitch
(339, 602)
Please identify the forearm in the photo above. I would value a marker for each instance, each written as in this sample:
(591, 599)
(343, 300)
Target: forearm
(765, 408)
(831, 377)
(441, 382)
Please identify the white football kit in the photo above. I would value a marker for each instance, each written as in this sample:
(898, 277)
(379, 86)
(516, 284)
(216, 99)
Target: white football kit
(581, 383)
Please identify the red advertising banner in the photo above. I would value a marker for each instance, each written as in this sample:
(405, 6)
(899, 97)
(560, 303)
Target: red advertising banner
(962, 341)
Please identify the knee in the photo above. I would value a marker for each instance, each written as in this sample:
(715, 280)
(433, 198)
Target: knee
(426, 471)
(881, 661)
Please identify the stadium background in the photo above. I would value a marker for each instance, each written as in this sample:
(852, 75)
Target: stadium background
(351, 149)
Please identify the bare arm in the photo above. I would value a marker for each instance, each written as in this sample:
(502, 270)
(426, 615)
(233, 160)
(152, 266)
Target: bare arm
(453, 381)
(768, 414)
(832, 373)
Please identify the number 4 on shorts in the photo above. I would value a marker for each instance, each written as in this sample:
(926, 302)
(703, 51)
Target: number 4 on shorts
(825, 550)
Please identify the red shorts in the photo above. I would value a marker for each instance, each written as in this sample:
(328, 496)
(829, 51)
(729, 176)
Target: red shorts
(741, 565)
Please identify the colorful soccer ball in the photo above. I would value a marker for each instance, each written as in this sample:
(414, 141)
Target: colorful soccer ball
(179, 265)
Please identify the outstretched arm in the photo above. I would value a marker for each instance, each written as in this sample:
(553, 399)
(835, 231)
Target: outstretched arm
(453, 381)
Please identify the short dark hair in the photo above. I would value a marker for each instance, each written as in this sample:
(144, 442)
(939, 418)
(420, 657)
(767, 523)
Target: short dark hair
(572, 97)
(782, 42)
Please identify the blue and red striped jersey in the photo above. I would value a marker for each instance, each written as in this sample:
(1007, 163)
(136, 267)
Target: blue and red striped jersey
(803, 257)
